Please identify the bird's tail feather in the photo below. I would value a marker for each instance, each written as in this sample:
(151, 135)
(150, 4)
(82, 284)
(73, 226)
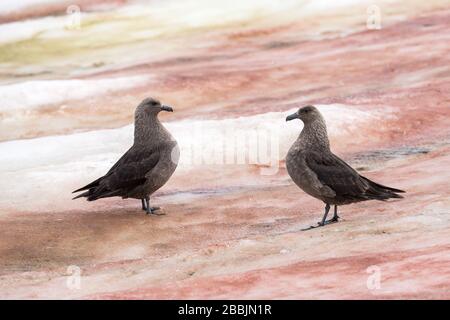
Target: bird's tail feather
(96, 190)
(104, 194)
(84, 194)
(375, 193)
(88, 186)
(97, 193)
(380, 186)
(380, 192)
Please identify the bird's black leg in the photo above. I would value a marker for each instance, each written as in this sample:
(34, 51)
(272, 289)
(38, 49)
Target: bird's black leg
(151, 210)
(335, 216)
(323, 222)
(143, 205)
(327, 209)
(147, 205)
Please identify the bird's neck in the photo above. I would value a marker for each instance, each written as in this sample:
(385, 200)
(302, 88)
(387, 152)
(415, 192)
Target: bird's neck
(146, 128)
(314, 135)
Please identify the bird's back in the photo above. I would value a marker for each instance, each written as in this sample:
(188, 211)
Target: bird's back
(325, 176)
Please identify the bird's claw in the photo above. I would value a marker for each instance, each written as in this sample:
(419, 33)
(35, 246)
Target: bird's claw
(320, 224)
(158, 214)
(334, 219)
(153, 211)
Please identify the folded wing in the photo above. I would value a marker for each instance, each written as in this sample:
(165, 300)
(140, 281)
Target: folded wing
(348, 185)
(128, 173)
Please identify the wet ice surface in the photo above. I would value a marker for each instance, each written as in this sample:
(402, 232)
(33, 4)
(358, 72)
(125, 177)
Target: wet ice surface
(49, 163)
(233, 218)
(377, 157)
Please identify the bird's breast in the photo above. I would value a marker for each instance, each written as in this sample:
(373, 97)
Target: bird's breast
(294, 161)
(297, 168)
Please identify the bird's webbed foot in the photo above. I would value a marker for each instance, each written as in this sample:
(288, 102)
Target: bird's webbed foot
(319, 224)
(324, 222)
(149, 209)
(154, 211)
(334, 219)
(335, 216)
(329, 221)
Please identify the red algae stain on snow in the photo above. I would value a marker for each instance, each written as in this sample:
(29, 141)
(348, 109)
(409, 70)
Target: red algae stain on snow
(255, 251)
(230, 232)
(404, 241)
(369, 68)
(336, 278)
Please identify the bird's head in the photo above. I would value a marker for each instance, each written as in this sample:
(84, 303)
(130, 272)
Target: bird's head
(151, 106)
(307, 114)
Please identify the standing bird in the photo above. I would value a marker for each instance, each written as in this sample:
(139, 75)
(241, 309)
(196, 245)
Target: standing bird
(323, 175)
(146, 166)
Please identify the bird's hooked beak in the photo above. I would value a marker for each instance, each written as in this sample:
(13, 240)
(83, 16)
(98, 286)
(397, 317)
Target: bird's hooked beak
(166, 108)
(292, 117)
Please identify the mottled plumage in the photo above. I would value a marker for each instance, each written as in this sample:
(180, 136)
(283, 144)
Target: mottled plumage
(146, 166)
(323, 175)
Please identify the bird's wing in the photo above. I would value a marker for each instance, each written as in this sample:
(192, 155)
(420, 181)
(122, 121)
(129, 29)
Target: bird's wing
(337, 175)
(131, 153)
(126, 174)
(130, 170)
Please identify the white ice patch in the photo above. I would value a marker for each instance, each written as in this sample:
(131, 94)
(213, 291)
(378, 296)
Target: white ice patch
(202, 13)
(33, 94)
(262, 139)
(172, 16)
(23, 30)
(39, 174)
(320, 6)
(8, 6)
